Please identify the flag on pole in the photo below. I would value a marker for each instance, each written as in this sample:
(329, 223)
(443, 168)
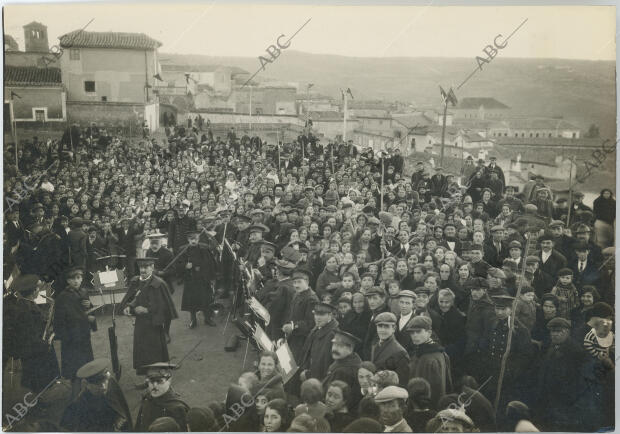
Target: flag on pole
(349, 92)
(449, 96)
(14, 94)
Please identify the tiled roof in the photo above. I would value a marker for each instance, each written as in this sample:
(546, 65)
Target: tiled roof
(10, 41)
(548, 141)
(31, 76)
(130, 41)
(475, 103)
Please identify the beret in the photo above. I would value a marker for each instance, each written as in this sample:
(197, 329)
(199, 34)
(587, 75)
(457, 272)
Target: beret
(385, 317)
(385, 378)
(391, 393)
(559, 322)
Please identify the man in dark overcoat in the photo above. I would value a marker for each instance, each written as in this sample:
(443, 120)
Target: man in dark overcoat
(561, 383)
(101, 406)
(299, 319)
(179, 226)
(198, 267)
(317, 351)
(149, 300)
(346, 364)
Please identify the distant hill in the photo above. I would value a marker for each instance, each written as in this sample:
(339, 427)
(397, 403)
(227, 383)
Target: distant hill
(582, 92)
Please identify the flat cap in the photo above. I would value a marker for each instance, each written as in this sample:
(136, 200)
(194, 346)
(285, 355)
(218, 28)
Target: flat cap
(496, 272)
(385, 379)
(532, 259)
(342, 337)
(374, 221)
(256, 211)
(391, 393)
(497, 228)
(555, 223)
(559, 323)
(385, 318)
(407, 293)
(375, 290)
(419, 322)
(74, 271)
(583, 229)
(422, 290)
(94, 371)
(515, 245)
(156, 236)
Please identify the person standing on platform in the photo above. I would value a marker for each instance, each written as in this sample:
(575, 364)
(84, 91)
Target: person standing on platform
(72, 326)
(149, 300)
(197, 265)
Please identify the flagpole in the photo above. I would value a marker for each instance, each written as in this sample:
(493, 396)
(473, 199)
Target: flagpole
(250, 108)
(14, 125)
(443, 131)
(382, 179)
(344, 123)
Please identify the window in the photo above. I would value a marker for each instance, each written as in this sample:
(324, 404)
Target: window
(516, 134)
(505, 134)
(89, 86)
(39, 115)
(104, 98)
(74, 54)
(536, 134)
(574, 135)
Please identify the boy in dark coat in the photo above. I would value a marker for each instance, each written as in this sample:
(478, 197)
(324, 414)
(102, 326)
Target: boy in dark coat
(428, 359)
(386, 352)
(299, 320)
(72, 327)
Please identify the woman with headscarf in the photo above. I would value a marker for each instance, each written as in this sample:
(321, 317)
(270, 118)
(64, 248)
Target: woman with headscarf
(605, 217)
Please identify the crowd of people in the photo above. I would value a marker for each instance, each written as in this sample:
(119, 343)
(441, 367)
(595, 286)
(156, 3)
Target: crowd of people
(433, 302)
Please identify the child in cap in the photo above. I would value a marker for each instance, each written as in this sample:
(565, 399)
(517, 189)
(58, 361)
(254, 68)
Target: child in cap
(566, 292)
(393, 290)
(526, 307)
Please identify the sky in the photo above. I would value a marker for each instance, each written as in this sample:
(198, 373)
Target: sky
(216, 29)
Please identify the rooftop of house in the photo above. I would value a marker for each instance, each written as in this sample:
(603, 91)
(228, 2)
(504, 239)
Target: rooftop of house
(11, 42)
(549, 141)
(31, 76)
(130, 41)
(325, 116)
(534, 124)
(413, 120)
(469, 103)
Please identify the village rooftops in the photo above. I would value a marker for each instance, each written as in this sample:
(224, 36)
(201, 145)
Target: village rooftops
(128, 41)
(534, 124)
(474, 103)
(31, 76)
(200, 68)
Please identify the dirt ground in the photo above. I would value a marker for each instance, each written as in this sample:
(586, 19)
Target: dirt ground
(203, 377)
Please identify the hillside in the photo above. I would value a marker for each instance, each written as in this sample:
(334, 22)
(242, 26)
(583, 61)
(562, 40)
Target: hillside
(581, 91)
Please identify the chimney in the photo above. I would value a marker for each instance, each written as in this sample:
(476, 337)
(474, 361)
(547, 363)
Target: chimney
(35, 36)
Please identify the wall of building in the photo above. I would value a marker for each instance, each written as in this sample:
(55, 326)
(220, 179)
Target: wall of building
(119, 75)
(333, 128)
(50, 98)
(18, 58)
(242, 118)
(113, 114)
(265, 100)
